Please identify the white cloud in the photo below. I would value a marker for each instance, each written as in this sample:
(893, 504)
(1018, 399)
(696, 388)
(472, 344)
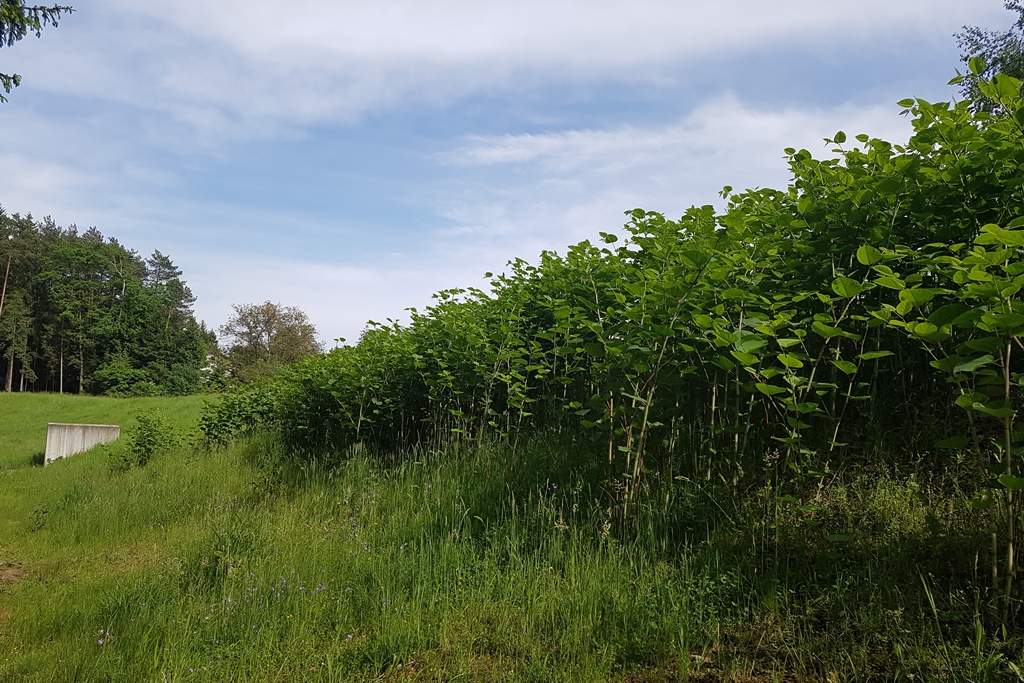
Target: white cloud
(548, 190)
(239, 67)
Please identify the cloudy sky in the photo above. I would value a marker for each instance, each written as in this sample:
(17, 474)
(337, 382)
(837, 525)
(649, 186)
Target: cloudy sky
(351, 158)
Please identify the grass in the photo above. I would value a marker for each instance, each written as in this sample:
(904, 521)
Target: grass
(23, 434)
(473, 564)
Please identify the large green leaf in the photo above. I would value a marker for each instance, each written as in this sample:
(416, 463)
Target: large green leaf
(1011, 482)
(985, 344)
(745, 358)
(996, 410)
(846, 288)
(846, 366)
(993, 234)
(973, 364)
(868, 255)
(917, 296)
(769, 389)
(790, 361)
(826, 331)
(945, 315)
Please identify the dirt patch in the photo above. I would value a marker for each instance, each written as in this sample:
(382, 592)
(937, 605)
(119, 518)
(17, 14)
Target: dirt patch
(10, 573)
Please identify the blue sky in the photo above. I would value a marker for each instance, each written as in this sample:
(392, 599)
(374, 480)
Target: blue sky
(353, 158)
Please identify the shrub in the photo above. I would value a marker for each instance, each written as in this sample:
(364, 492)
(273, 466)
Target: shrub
(152, 436)
(243, 412)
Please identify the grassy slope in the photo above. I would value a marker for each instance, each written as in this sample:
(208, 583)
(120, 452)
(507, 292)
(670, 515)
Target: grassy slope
(475, 566)
(24, 417)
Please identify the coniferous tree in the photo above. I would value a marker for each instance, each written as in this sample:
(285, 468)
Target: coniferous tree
(89, 315)
(17, 20)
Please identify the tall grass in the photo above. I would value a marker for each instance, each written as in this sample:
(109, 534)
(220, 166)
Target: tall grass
(469, 563)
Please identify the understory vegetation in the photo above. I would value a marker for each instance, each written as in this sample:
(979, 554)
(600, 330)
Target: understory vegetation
(473, 561)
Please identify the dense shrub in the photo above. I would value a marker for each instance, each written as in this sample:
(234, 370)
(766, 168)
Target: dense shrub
(867, 314)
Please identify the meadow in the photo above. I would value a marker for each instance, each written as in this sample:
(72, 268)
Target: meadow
(467, 561)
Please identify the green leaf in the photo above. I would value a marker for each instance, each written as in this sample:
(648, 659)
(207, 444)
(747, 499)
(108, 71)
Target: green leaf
(965, 401)
(890, 282)
(868, 255)
(769, 389)
(985, 344)
(945, 315)
(977, 65)
(925, 329)
(840, 137)
(595, 350)
(916, 296)
(872, 355)
(790, 361)
(745, 359)
(846, 366)
(906, 102)
(993, 234)
(846, 288)
(1007, 87)
(1011, 482)
(825, 331)
(1006, 321)
(953, 442)
(750, 344)
(995, 410)
(973, 364)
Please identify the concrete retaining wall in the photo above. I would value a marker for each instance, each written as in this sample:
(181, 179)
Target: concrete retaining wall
(64, 439)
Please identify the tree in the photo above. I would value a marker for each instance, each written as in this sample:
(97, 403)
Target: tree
(15, 326)
(264, 337)
(17, 20)
(85, 302)
(1000, 52)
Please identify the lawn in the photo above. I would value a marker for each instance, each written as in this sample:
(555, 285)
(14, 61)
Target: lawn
(25, 415)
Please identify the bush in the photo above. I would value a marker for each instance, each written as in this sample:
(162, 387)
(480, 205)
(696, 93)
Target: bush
(152, 436)
(118, 378)
(181, 380)
(243, 412)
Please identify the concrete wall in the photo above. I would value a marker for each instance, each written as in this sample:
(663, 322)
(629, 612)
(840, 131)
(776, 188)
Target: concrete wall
(67, 439)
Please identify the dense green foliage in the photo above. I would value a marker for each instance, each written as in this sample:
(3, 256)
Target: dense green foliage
(864, 316)
(85, 314)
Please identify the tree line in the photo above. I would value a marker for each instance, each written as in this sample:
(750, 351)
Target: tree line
(83, 313)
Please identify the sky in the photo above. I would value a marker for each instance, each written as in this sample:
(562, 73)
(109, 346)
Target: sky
(352, 158)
